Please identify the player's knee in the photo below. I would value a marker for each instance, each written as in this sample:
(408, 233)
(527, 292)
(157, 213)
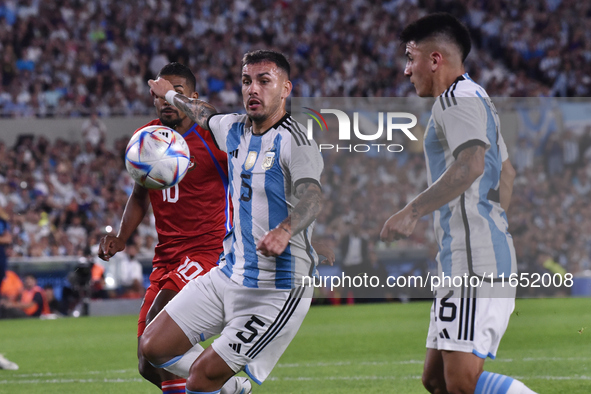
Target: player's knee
(149, 350)
(144, 367)
(433, 383)
(199, 377)
(460, 385)
(205, 374)
(201, 371)
(428, 383)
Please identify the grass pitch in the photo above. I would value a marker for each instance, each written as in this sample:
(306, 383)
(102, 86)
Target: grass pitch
(375, 348)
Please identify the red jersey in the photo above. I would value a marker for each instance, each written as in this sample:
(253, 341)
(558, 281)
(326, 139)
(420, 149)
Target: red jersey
(194, 216)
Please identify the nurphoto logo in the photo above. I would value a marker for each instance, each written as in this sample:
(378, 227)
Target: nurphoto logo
(394, 121)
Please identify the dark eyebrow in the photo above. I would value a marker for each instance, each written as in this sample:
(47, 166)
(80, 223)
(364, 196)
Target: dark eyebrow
(258, 75)
(177, 86)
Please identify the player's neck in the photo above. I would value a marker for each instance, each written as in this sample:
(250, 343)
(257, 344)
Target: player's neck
(261, 127)
(442, 83)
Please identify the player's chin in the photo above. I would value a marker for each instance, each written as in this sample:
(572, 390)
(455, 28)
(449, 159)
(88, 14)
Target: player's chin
(170, 120)
(421, 93)
(255, 115)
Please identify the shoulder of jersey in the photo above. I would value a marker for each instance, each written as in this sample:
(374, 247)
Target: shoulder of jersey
(150, 123)
(296, 129)
(233, 117)
(464, 86)
(285, 123)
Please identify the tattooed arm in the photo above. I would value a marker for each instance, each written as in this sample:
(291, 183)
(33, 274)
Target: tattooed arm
(303, 214)
(456, 180)
(197, 110)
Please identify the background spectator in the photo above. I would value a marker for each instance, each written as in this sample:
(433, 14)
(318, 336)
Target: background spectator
(93, 58)
(74, 58)
(32, 302)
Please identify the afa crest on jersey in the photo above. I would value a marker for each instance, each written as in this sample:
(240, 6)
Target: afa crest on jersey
(269, 160)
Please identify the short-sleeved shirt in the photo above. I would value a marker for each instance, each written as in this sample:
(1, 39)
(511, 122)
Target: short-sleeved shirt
(194, 216)
(264, 171)
(472, 229)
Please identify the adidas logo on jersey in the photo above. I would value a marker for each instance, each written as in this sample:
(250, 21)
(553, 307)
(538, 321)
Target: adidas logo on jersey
(443, 334)
(235, 346)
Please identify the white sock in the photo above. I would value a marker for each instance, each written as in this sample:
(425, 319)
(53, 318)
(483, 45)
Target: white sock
(517, 387)
(236, 385)
(180, 366)
(494, 383)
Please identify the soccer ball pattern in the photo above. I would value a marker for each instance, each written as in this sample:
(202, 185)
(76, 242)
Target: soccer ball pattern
(157, 157)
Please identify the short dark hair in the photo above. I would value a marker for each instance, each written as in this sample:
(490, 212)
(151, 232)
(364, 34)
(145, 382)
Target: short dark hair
(179, 70)
(267, 55)
(439, 23)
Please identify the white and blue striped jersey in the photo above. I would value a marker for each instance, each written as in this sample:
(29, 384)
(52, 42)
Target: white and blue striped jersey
(471, 230)
(264, 171)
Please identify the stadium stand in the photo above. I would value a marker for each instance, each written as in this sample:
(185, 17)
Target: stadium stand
(68, 58)
(71, 59)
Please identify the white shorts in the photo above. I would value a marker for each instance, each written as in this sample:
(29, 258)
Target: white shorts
(256, 325)
(469, 324)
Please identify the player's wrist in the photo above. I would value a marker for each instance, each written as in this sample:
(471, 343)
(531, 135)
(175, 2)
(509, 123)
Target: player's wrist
(285, 229)
(169, 96)
(414, 210)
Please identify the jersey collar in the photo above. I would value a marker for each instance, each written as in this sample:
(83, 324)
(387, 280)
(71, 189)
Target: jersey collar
(275, 126)
(452, 87)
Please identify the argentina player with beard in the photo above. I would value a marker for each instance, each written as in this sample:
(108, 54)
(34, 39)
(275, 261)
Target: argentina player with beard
(470, 184)
(254, 299)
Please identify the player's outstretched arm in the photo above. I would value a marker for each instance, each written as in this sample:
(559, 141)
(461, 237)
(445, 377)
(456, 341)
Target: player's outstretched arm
(456, 180)
(506, 188)
(303, 214)
(135, 210)
(197, 110)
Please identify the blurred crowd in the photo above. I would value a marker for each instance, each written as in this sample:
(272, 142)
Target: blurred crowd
(62, 196)
(71, 57)
(93, 58)
(549, 216)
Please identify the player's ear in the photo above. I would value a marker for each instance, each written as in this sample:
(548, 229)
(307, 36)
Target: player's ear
(287, 86)
(436, 60)
(194, 95)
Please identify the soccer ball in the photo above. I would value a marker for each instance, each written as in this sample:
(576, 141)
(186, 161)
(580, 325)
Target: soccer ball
(157, 157)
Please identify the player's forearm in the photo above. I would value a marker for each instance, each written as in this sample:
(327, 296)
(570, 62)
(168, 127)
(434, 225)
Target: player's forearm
(197, 110)
(456, 180)
(135, 210)
(506, 187)
(305, 211)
